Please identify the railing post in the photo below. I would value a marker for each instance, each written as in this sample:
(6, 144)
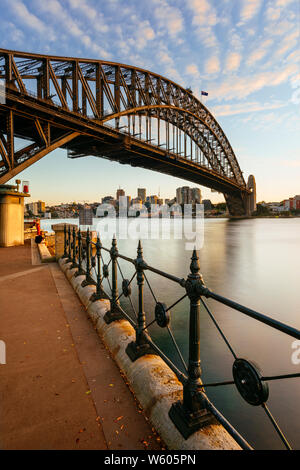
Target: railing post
(114, 312)
(88, 281)
(69, 243)
(80, 271)
(191, 414)
(65, 255)
(74, 264)
(99, 294)
(140, 346)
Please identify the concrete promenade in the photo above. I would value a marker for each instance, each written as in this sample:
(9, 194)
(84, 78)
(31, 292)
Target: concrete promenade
(59, 388)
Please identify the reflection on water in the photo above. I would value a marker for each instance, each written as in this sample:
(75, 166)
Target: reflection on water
(255, 262)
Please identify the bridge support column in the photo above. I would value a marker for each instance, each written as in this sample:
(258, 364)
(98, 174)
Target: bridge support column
(251, 197)
(237, 205)
(242, 204)
(11, 216)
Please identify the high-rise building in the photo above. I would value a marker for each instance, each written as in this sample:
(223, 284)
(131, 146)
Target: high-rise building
(141, 192)
(41, 206)
(178, 196)
(107, 200)
(137, 202)
(120, 192)
(196, 196)
(33, 208)
(153, 199)
(207, 204)
(187, 195)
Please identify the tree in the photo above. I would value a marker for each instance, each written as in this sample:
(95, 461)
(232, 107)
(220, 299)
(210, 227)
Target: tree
(262, 210)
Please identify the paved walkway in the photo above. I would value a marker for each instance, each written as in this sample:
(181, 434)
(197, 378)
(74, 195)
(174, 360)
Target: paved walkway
(59, 388)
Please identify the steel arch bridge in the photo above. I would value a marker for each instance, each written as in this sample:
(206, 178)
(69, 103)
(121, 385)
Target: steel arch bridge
(113, 111)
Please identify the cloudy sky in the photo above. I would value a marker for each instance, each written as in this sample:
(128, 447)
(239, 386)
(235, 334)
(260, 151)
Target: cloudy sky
(244, 53)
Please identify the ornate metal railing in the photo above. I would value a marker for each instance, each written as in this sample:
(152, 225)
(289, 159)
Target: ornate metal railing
(195, 410)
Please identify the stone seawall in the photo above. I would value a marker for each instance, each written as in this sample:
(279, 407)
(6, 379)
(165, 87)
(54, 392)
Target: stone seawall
(153, 383)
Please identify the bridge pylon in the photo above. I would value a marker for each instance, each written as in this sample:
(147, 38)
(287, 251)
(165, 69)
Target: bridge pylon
(242, 204)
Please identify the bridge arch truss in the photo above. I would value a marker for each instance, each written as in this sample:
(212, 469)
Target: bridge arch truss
(102, 108)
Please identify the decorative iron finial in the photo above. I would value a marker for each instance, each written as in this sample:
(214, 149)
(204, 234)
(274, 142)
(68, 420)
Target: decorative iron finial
(140, 249)
(98, 243)
(195, 264)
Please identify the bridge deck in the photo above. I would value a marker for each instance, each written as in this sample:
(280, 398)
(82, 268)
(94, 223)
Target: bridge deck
(59, 388)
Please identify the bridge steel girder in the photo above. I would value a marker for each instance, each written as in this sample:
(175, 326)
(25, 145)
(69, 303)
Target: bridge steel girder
(109, 92)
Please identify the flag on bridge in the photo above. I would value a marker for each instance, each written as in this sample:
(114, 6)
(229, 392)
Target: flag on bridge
(204, 93)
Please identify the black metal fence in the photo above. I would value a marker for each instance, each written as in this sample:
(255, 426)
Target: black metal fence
(195, 410)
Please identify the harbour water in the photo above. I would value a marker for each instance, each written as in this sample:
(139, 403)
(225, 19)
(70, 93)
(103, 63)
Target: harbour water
(256, 263)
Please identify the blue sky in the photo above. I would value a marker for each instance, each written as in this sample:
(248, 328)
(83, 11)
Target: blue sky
(244, 53)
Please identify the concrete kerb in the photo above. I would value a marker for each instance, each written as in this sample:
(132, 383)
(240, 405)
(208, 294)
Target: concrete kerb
(45, 254)
(153, 383)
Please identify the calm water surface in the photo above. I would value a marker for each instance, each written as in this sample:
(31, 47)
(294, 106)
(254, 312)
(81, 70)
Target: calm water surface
(257, 263)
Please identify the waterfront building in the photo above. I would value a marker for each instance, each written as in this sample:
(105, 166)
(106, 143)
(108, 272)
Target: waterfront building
(196, 196)
(36, 208)
(187, 195)
(141, 192)
(183, 195)
(120, 192)
(41, 206)
(107, 200)
(33, 208)
(153, 199)
(137, 202)
(292, 203)
(296, 203)
(207, 204)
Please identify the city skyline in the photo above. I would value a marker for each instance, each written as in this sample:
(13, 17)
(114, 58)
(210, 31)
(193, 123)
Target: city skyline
(194, 193)
(244, 54)
(122, 192)
(140, 193)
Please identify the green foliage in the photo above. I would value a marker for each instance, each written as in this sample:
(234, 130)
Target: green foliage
(221, 206)
(262, 210)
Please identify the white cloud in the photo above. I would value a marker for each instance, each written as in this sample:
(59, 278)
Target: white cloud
(192, 70)
(204, 19)
(142, 34)
(288, 43)
(249, 9)
(235, 40)
(94, 16)
(259, 52)
(212, 65)
(169, 17)
(15, 34)
(204, 13)
(244, 108)
(28, 18)
(70, 26)
(235, 87)
(233, 61)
